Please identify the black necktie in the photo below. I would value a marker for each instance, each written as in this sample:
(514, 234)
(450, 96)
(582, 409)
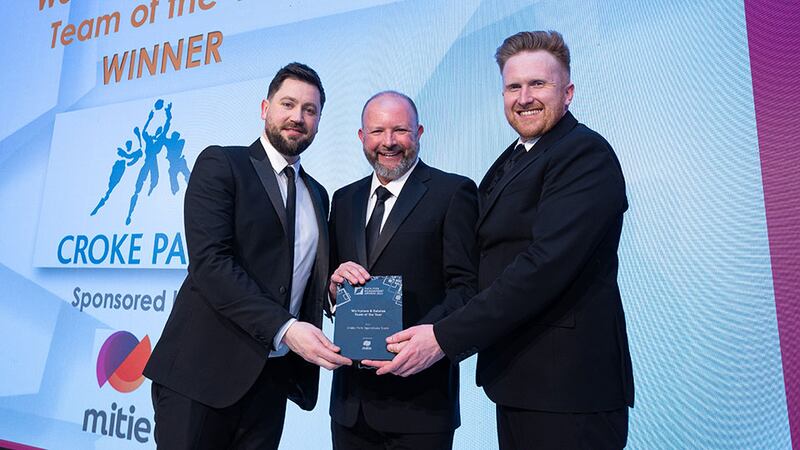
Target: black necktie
(374, 223)
(518, 151)
(291, 207)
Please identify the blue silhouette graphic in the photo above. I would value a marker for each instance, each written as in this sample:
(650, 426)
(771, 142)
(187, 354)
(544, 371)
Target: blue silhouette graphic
(152, 147)
(129, 158)
(177, 163)
(153, 144)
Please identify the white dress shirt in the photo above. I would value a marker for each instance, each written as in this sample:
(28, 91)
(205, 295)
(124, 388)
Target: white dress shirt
(528, 144)
(306, 237)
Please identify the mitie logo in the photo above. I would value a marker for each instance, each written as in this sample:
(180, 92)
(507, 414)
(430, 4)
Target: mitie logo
(120, 363)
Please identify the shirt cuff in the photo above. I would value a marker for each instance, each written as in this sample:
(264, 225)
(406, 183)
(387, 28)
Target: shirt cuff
(277, 343)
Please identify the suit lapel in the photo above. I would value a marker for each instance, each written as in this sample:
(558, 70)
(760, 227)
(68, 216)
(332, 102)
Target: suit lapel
(564, 126)
(497, 163)
(412, 193)
(524, 161)
(266, 174)
(484, 201)
(359, 219)
(323, 246)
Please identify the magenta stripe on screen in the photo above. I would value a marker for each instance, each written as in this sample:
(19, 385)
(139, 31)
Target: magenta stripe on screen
(15, 446)
(773, 31)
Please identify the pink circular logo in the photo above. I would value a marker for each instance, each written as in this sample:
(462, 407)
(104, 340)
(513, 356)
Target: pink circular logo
(121, 361)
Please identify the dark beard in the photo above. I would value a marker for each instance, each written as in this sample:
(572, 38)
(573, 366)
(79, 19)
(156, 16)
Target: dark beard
(284, 147)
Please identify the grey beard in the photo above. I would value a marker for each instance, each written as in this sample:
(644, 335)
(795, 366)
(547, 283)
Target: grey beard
(397, 172)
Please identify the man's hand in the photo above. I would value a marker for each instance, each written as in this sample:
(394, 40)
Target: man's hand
(418, 350)
(349, 271)
(308, 341)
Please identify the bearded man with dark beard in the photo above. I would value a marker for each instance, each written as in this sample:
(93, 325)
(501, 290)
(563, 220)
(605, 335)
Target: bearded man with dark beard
(244, 333)
(408, 219)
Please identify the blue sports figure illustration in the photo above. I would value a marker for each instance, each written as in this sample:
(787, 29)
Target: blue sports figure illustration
(128, 158)
(150, 145)
(177, 162)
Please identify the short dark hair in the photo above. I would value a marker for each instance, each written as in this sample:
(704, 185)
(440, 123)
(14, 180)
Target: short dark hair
(394, 94)
(300, 72)
(530, 41)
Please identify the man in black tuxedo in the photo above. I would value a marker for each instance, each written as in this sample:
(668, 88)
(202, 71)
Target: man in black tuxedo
(244, 333)
(412, 220)
(548, 323)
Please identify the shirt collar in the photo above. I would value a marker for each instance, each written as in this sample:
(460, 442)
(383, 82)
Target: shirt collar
(276, 160)
(394, 186)
(528, 143)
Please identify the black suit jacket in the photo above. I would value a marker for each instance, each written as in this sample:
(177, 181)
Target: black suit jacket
(548, 322)
(236, 295)
(429, 239)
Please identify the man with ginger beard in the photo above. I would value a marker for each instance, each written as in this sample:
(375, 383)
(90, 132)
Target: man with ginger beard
(423, 221)
(548, 324)
(244, 333)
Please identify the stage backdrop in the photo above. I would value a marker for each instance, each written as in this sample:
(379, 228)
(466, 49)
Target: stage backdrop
(92, 247)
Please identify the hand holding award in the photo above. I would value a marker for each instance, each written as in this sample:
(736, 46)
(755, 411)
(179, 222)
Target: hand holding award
(366, 314)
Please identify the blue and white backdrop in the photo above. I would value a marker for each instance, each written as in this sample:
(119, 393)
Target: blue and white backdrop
(91, 231)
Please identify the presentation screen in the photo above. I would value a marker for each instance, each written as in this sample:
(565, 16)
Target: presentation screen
(92, 242)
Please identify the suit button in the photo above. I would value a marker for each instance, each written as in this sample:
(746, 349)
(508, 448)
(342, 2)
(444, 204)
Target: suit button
(282, 290)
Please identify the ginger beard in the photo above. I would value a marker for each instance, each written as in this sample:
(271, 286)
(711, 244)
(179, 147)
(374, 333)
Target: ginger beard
(536, 92)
